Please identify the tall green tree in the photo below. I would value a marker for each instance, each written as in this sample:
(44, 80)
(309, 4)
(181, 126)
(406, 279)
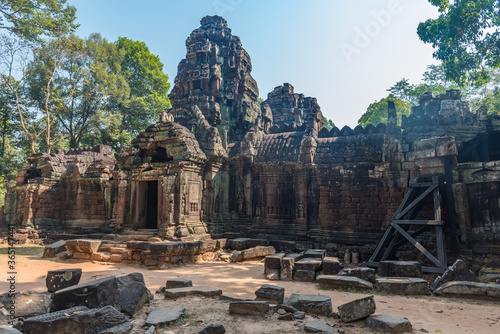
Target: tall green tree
(148, 84)
(32, 18)
(466, 38)
(376, 112)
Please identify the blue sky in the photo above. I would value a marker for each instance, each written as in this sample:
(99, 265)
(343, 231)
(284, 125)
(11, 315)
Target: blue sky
(345, 53)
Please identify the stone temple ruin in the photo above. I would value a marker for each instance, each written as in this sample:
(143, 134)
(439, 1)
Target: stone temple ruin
(218, 162)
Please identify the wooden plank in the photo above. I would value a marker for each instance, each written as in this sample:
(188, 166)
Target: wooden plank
(381, 244)
(416, 201)
(450, 202)
(414, 234)
(437, 201)
(421, 184)
(418, 222)
(408, 197)
(418, 245)
(440, 245)
(433, 270)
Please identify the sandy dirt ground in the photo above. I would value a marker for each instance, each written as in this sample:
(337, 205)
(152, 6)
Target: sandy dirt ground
(428, 314)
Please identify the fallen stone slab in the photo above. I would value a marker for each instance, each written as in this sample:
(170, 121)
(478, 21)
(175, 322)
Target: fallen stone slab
(357, 309)
(309, 264)
(299, 315)
(168, 248)
(365, 273)
(79, 320)
(318, 327)
(8, 330)
(331, 266)
(343, 282)
(248, 307)
(286, 317)
(459, 271)
(402, 285)
(27, 304)
(178, 283)
(239, 244)
(213, 329)
(389, 323)
(93, 294)
(399, 269)
(258, 251)
(233, 297)
(273, 261)
(315, 304)
(270, 293)
(470, 290)
(62, 278)
(315, 253)
(304, 276)
(133, 293)
(86, 246)
(54, 248)
(164, 316)
(192, 290)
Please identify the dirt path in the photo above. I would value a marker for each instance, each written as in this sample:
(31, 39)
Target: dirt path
(427, 314)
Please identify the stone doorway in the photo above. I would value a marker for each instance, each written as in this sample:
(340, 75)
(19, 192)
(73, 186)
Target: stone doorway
(147, 204)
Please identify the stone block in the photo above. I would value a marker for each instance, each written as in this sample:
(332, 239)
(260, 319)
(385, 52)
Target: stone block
(271, 293)
(331, 266)
(62, 278)
(27, 304)
(272, 274)
(257, 242)
(100, 256)
(489, 275)
(248, 307)
(164, 316)
(133, 293)
(389, 323)
(315, 254)
(239, 244)
(88, 246)
(79, 320)
(314, 304)
(304, 276)
(399, 269)
(288, 266)
(192, 290)
(402, 285)
(343, 282)
(357, 309)
(256, 252)
(178, 283)
(470, 290)
(9, 330)
(167, 248)
(54, 248)
(222, 243)
(273, 261)
(316, 326)
(82, 256)
(213, 329)
(93, 294)
(308, 264)
(138, 245)
(367, 274)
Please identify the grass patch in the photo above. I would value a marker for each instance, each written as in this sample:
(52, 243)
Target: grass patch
(23, 249)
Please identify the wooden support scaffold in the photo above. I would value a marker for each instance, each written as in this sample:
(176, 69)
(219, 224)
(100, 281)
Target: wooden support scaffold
(404, 227)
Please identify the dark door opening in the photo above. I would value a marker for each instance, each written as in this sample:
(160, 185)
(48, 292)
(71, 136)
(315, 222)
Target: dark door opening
(152, 205)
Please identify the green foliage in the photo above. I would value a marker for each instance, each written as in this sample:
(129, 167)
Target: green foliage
(328, 123)
(32, 18)
(466, 38)
(377, 111)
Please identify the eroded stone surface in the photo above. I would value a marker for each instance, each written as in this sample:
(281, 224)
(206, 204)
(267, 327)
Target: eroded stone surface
(469, 289)
(164, 316)
(248, 307)
(399, 269)
(343, 282)
(271, 293)
(357, 309)
(402, 285)
(318, 327)
(62, 278)
(315, 304)
(192, 290)
(389, 323)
